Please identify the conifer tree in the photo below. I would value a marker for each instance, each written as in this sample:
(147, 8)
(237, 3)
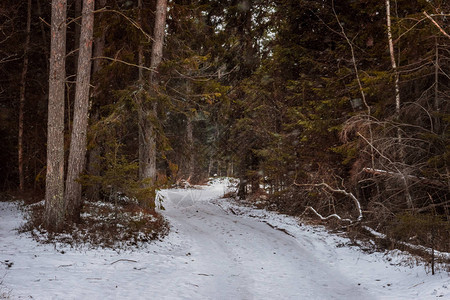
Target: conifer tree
(147, 115)
(54, 191)
(78, 141)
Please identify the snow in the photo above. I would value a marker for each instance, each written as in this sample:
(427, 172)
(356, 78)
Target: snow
(217, 249)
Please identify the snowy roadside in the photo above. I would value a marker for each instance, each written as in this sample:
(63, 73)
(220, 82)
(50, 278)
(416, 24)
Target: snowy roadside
(390, 274)
(216, 250)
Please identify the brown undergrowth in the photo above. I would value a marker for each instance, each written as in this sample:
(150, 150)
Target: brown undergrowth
(122, 225)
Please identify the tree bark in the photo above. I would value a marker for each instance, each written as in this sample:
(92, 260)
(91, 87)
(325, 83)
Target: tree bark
(147, 147)
(22, 98)
(93, 191)
(54, 189)
(147, 116)
(143, 135)
(158, 39)
(99, 43)
(80, 120)
(94, 165)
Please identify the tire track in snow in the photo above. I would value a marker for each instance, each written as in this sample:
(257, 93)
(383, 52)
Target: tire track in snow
(248, 259)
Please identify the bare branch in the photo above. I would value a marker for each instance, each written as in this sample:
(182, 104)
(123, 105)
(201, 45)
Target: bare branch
(122, 62)
(437, 25)
(323, 184)
(133, 22)
(393, 174)
(45, 22)
(325, 218)
(405, 181)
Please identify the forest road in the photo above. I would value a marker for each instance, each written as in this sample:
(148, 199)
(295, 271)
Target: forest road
(238, 257)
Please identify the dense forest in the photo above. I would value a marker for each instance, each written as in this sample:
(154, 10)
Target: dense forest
(335, 110)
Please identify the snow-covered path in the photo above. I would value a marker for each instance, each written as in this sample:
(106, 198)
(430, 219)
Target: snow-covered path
(216, 250)
(243, 258)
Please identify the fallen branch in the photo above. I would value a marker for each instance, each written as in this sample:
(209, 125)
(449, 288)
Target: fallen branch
(394, 174)
(123, 259)
(355, 200)
(278, 228)
(232, 210)
(325, 218)
(441, 255)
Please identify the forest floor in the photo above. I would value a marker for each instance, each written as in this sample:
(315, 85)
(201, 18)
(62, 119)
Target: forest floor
(216, 249)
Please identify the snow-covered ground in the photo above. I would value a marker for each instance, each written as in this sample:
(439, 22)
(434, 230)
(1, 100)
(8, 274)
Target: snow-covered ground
(216, 250)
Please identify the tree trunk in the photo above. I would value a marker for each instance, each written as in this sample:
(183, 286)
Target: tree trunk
(408, 197)
(147, 143)
(436, 77)
(397, 77)
(210, 165)
(80, 119)
(93, 167)
(140, 48)
(230, 172)
(22, 98)
(190, 145)
(143, 135)
(158, 39)
(147, 146)
(393, 63)
(147, 115)
(54, 189)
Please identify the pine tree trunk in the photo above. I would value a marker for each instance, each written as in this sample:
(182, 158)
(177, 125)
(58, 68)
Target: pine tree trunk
(147, 146)
(22, 98)
(158, 39)
(143, 135)
(93, 166)
(147, 142)
(54, 189)
(80, 120)
(147, 115)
